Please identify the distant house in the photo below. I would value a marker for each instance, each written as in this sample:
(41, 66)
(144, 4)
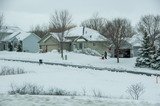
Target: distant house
(78, 38)
(13, 37)
(129, 47)
(125, 50)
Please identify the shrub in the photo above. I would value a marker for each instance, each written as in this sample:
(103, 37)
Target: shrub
(31, 89)
(57, 91)
(11, 71)
(84, 91)
(135, 90)
(97, 93)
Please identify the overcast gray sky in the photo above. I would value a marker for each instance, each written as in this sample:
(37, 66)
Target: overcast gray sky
(25, 13)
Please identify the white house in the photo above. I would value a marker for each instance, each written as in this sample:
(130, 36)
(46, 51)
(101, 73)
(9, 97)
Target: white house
(16, 37)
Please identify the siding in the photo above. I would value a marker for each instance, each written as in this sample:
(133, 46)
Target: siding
(52, 44)
(30, 44)
(100, 47)
(49, 45)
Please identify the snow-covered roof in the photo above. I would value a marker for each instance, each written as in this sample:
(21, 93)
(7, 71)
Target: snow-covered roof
(9, 37)
(77, 32)
(136, 40)
(22, 35)
(14, 33)
(10, 29)
(87, 33)
(18, 35)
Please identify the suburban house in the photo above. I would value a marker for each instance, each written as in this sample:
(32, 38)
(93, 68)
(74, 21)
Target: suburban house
(125, 50)
(13, 38)
(81, 38)
(78, 38)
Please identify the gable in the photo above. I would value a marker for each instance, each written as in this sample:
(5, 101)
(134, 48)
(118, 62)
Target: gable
(80, 39)
(31, 37)
(50, 40)
(43, 38)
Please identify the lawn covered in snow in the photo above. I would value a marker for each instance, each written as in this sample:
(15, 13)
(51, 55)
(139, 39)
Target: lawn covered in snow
(78, 59)
(28, 100)
(112, 85)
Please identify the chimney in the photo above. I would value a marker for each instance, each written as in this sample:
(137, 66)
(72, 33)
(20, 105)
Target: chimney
(83, 30)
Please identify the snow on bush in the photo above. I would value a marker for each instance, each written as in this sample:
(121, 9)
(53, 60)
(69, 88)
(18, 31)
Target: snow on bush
(11, 71)
(88, 51)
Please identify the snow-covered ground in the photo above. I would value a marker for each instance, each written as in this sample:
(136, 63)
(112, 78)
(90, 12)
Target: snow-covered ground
(78, 59)
(27, 100)
(112, 85)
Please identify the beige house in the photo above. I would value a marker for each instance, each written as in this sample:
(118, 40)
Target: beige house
(78, 38)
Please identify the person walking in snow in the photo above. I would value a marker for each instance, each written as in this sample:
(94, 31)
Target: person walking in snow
(105, 55)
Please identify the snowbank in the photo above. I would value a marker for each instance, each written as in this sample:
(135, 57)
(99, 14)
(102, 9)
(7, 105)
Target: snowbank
(27, 100)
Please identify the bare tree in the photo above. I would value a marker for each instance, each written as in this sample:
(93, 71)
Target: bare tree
(1, 20)
(135, 90)
(1, 25)
(117, 31)
(151, 25)
(60, 21)
(41, 31)
(95, 22)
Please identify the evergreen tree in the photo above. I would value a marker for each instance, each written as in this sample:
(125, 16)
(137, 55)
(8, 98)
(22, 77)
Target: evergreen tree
(156, 64)
(143, 59)
(153, 56)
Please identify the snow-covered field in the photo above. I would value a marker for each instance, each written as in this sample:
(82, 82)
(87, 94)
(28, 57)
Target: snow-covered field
(78, 59)
(27, 100)
(112, 85)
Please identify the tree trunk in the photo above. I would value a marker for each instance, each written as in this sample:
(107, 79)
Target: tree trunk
(117, 51)
(61, 47)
